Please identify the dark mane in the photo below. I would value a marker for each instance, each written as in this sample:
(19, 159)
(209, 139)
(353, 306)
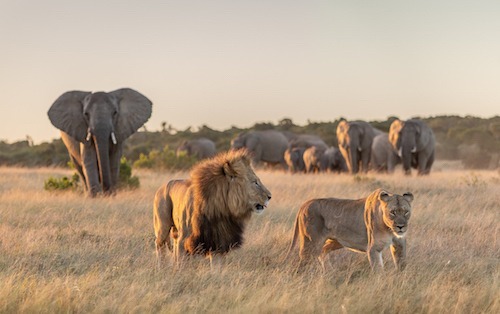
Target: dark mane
(217, 235)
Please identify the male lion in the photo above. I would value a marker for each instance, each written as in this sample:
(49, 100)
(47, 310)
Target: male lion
(366, 225)
(207, 213)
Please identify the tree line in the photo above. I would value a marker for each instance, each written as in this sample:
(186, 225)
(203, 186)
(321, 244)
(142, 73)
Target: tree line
(473, 140)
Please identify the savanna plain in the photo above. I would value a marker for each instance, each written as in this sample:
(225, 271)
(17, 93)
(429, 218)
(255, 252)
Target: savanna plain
(64, 252)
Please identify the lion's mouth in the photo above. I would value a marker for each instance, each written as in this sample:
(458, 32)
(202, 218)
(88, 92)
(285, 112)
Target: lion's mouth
(259, 208)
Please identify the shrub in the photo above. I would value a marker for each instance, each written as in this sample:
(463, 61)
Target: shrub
(165, 159)
(64, 183)
(126, 180)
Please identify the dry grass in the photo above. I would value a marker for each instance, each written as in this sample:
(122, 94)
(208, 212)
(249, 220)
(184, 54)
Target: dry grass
(62, 252)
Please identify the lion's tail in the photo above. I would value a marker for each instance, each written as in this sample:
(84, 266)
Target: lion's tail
(294, 238)
(163, 216)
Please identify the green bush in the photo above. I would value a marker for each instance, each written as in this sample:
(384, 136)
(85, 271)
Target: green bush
(165, 159)
(64, 183)
(126, 180)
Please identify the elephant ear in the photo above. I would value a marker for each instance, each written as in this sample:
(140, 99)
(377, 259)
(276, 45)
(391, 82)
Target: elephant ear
(66, 114)
(135, 110)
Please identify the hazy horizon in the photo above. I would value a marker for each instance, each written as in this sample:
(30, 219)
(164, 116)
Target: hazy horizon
(224, 63)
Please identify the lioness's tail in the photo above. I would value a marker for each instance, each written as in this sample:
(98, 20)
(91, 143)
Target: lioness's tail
(295, 233)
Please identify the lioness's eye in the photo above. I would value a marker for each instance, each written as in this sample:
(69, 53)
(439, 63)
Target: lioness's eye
(256, 183)
(407, 213)
(393, 213)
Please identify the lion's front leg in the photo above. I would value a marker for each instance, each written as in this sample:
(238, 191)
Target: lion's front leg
(398, 250)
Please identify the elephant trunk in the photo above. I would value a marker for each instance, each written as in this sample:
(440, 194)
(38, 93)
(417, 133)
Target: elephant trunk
(353, 156)
(406, 152)
(102, 145)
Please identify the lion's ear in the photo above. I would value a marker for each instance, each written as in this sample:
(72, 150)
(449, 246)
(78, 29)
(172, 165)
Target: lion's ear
(229, 170)
(408, 196)
(384, 196)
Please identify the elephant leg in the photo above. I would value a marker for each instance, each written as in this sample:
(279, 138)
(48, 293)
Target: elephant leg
(114, 160)
(79, 169)
(422, 163)
(430, 161)
(90, 168)
(365, 160)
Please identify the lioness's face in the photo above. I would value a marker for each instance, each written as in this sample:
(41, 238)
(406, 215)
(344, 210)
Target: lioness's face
(396, 211)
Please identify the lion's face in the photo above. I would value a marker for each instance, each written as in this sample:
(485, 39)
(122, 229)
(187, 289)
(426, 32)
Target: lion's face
(258, 194)
(246, 191)
(396, 211)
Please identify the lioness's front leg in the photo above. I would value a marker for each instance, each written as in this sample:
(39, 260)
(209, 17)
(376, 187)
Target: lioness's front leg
(375, 258)
(398, 250)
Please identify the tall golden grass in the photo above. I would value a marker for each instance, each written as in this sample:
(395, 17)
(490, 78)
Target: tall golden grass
(63, 252)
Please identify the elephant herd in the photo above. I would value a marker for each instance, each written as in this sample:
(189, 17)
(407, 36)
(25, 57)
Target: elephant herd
(94, 127)
(361, 148)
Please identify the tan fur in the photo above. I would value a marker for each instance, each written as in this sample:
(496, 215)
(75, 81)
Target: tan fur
(207, 213)
(365, 225)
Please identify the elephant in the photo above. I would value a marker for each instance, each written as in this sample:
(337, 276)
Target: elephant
(267, 146)
(312, 158)
(384, 158)
(200, 148)
(94, 127)
(415, 143)
(306, 141)
(333, 161)
(355, 142)
(294, 159)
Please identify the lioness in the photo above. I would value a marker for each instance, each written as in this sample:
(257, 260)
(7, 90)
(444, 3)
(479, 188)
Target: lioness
(208, 213)
(366, 225)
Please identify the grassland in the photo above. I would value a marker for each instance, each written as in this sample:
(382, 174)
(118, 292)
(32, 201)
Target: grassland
(63, 252)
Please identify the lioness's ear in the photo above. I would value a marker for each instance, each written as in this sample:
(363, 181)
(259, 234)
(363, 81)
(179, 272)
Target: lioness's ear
(228, 170)
(384, 196)
(408, 196)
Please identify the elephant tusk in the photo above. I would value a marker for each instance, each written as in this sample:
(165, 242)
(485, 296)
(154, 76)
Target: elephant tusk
(89, 136)
(113, 138)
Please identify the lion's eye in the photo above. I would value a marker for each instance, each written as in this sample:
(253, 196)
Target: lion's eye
(256, 183)
(393, 213)
(407, 213)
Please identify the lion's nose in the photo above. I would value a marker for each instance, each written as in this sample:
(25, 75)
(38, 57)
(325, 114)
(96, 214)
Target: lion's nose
(268, 197)
(400, 226)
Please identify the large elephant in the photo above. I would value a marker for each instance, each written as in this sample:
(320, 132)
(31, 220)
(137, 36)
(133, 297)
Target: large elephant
(384, 158)
(415, 143)
(93, 128)
(313, 157)
(332, 160)
(200, 148)
(294, 159)
(355, 143)
(267, 146)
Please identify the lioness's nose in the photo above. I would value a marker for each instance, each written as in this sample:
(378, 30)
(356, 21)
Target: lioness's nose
(268, 197)
(400, 226)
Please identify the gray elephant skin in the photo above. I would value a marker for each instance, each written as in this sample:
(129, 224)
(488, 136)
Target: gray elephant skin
(355, 143)
(200, 148)
(415, 143)
(305, 140)
(384, 158)
(267, 146)
(294, 158)
(94, 127)
(333, 161)
(313, 157)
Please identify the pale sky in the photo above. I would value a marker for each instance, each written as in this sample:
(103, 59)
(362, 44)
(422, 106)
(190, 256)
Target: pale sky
(224, 63)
